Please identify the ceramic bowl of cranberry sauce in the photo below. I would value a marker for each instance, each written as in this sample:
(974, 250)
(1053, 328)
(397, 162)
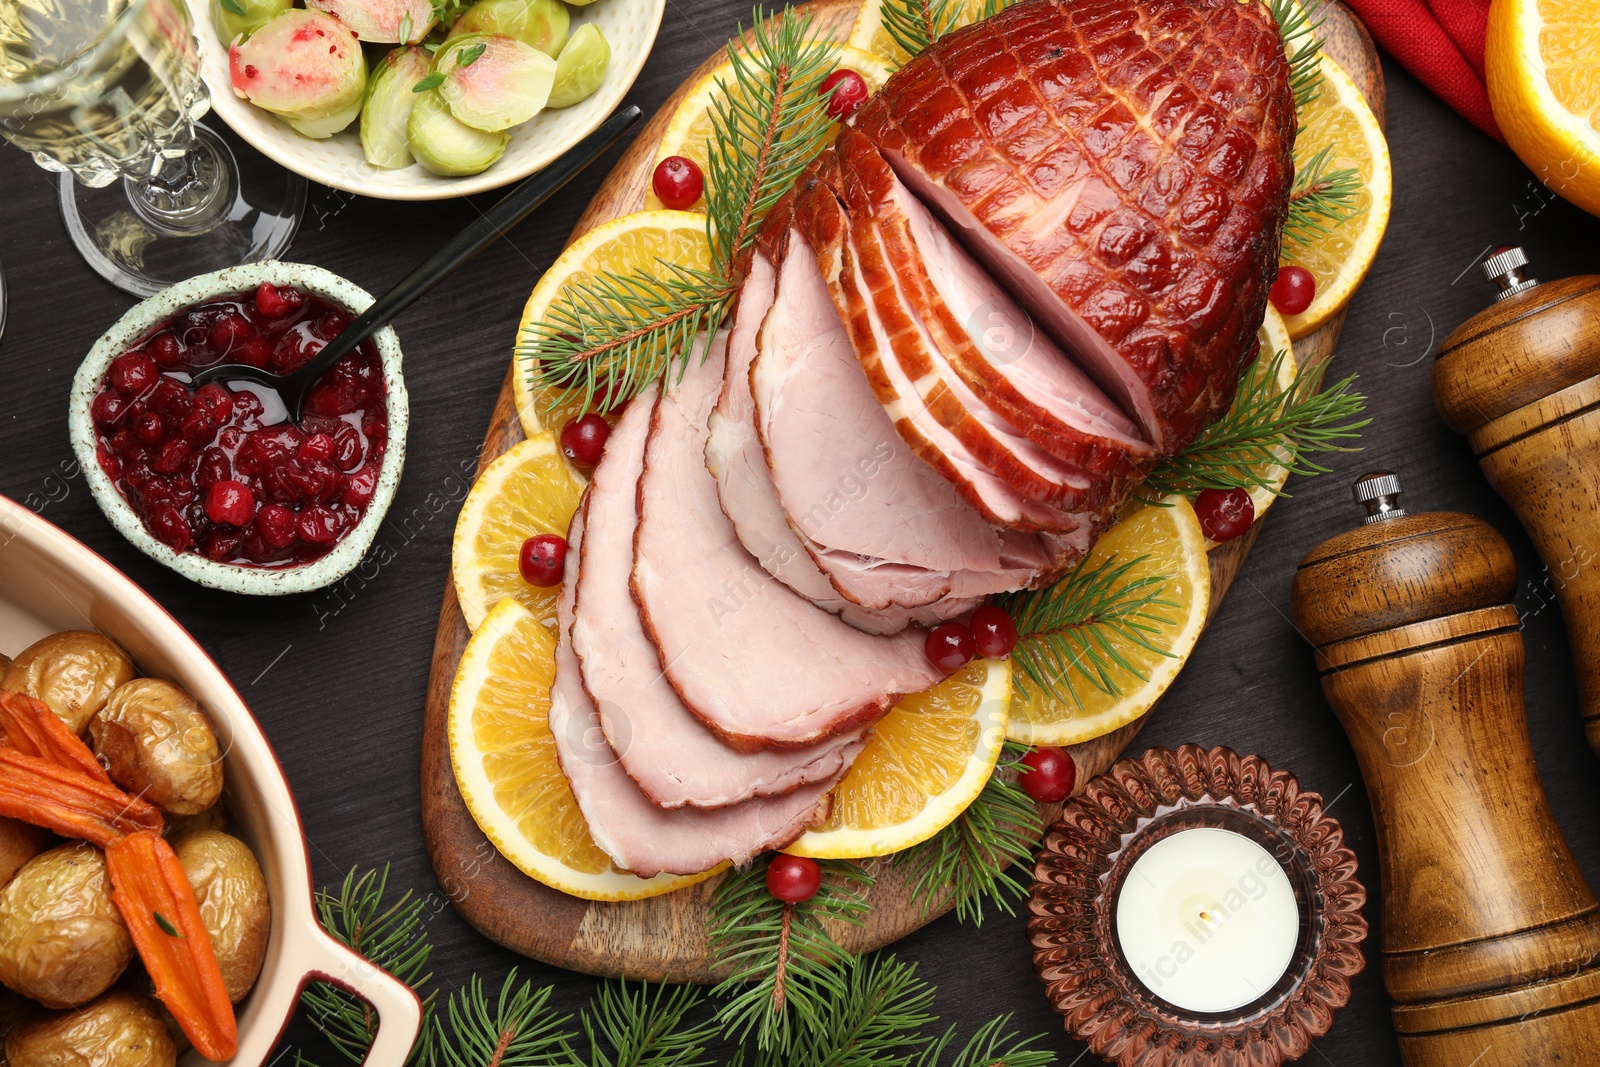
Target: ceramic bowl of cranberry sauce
(217, 483)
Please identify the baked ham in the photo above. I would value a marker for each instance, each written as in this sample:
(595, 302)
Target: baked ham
(761, 666)
(638, 835)
(669, 753)
(1124, 170)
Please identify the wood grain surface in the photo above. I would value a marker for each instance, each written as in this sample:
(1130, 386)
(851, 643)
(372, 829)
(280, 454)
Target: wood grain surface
(664, 937)
(338, 678)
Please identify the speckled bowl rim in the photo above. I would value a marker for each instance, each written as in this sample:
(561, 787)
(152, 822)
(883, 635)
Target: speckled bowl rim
(144, 316)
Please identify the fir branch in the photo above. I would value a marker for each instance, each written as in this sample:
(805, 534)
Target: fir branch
(973, 859)
(991, 1046)
(614, 335)
(915, 24)
(1301, 47)
(1321, 199)
(389, 936)
(1075, 627)
(643, 1026)
(1265, 427)
(877, 1017)
(520, 1029)
(785, 968)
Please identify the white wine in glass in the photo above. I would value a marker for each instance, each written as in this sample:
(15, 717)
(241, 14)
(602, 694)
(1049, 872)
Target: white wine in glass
(107, 93)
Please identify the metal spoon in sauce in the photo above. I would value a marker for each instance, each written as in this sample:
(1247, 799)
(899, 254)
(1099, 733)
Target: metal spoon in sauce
(483, 231)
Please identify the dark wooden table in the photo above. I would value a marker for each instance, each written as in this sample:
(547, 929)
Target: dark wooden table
(338, 683)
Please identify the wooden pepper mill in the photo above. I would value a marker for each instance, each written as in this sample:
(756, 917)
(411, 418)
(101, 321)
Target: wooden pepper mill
(1491, 936)
(1522, 381)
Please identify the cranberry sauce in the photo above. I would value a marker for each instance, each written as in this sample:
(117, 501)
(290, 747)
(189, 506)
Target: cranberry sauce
(221, 472)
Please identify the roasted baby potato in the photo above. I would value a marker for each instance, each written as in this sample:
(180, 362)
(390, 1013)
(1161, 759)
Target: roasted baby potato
(120, 1029)
(73, 671)
(62, 940)
(19, 843)
(181, 826)
(232, 893)
(156, 742)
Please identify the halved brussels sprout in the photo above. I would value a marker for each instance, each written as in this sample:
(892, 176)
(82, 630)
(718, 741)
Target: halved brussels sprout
(383, 21)
(306, 67)
(543, 24)
(493, 83)
(390, 97)
(241, 18)
(447, 146)
(581, 67)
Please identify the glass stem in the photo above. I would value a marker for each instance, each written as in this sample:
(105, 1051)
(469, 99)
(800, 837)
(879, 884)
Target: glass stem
(184, 193)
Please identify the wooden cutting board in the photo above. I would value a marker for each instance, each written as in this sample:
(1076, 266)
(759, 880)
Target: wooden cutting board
(664, 938)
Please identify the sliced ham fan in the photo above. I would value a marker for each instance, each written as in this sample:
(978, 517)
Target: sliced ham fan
(1124, 170)
(669, 753)
(636, 834)
(758, 664)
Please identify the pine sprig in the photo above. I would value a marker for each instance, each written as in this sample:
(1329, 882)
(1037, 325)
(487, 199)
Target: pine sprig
(643, 1026)
(1266, 427)
(1301, 46)
(971, 861)
(517, 1029)
(785, 971)
(877, 1018)
(391, 936)
(991, 1046)
(1072, 629)
(613, 335)
(915, 24)
(1321, 199)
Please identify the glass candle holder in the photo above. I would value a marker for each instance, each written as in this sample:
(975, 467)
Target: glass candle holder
(1196, 908)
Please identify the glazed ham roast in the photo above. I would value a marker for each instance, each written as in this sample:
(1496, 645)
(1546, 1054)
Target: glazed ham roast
(1029, 268)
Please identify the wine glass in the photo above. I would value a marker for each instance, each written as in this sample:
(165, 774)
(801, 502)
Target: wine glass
(102, 90)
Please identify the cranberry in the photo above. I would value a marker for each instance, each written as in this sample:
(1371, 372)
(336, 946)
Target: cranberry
(359, 487)
(275, 303)
(845, 91)
(126, 445)
(347, 447)
(542, 560)
(584, 440)
(172, 457)
(166, 351)
(169, 526)
(331, 325)
(949, 646)
(132, 373)
(1050, 775)
(317, 525)
(793, 879)
(169, 397)
(252, 352)
(994, 635)
(182, 488)
(1293, 291)
(230, 331)
(107, 408)
(276, 525)
(221, 545)
(333, 399)
(213, 468)
(107, 461)
(216, 400)
(148, 428)
(318, 448)
(231, 438)
(678, 182)
(230, 503)
(1224, 513)
(248, 406)
(198, 428)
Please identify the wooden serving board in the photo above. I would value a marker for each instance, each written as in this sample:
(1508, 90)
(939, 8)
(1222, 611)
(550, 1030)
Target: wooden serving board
(664, 938)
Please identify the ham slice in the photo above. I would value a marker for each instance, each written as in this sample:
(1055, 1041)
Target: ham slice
(636, 834)
(758, 664)
(669, 753)
(1124, 171)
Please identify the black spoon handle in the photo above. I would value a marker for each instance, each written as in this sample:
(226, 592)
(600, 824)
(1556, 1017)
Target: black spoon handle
(483, 231)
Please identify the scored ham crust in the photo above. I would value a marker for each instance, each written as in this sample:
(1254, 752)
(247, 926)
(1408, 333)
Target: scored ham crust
(1124, 170)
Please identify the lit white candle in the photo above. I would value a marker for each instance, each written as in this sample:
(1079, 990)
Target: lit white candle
(1207, 919)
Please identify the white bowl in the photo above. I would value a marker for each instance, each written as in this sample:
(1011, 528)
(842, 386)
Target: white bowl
(50, 582)
(629, 26)
(143, 317)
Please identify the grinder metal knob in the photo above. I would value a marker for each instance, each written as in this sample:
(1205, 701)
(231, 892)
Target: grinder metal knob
(1504, 270)
(1379, 491)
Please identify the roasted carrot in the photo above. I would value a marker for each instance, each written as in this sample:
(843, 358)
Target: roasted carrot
(150, 889)
(33, 729)
(70, 802)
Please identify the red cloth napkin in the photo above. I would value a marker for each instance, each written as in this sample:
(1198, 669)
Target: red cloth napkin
(1441, 42)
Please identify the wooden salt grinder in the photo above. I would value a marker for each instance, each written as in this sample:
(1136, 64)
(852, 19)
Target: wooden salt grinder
(1522, 381)
(1491, 936)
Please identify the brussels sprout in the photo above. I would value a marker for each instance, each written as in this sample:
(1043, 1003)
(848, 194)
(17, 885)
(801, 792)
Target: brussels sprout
(581, 67)
(543, 24)
(390, 97)
(306, 67)
(241, 18)
(382, 21)
(445, 145)
(493, 83)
